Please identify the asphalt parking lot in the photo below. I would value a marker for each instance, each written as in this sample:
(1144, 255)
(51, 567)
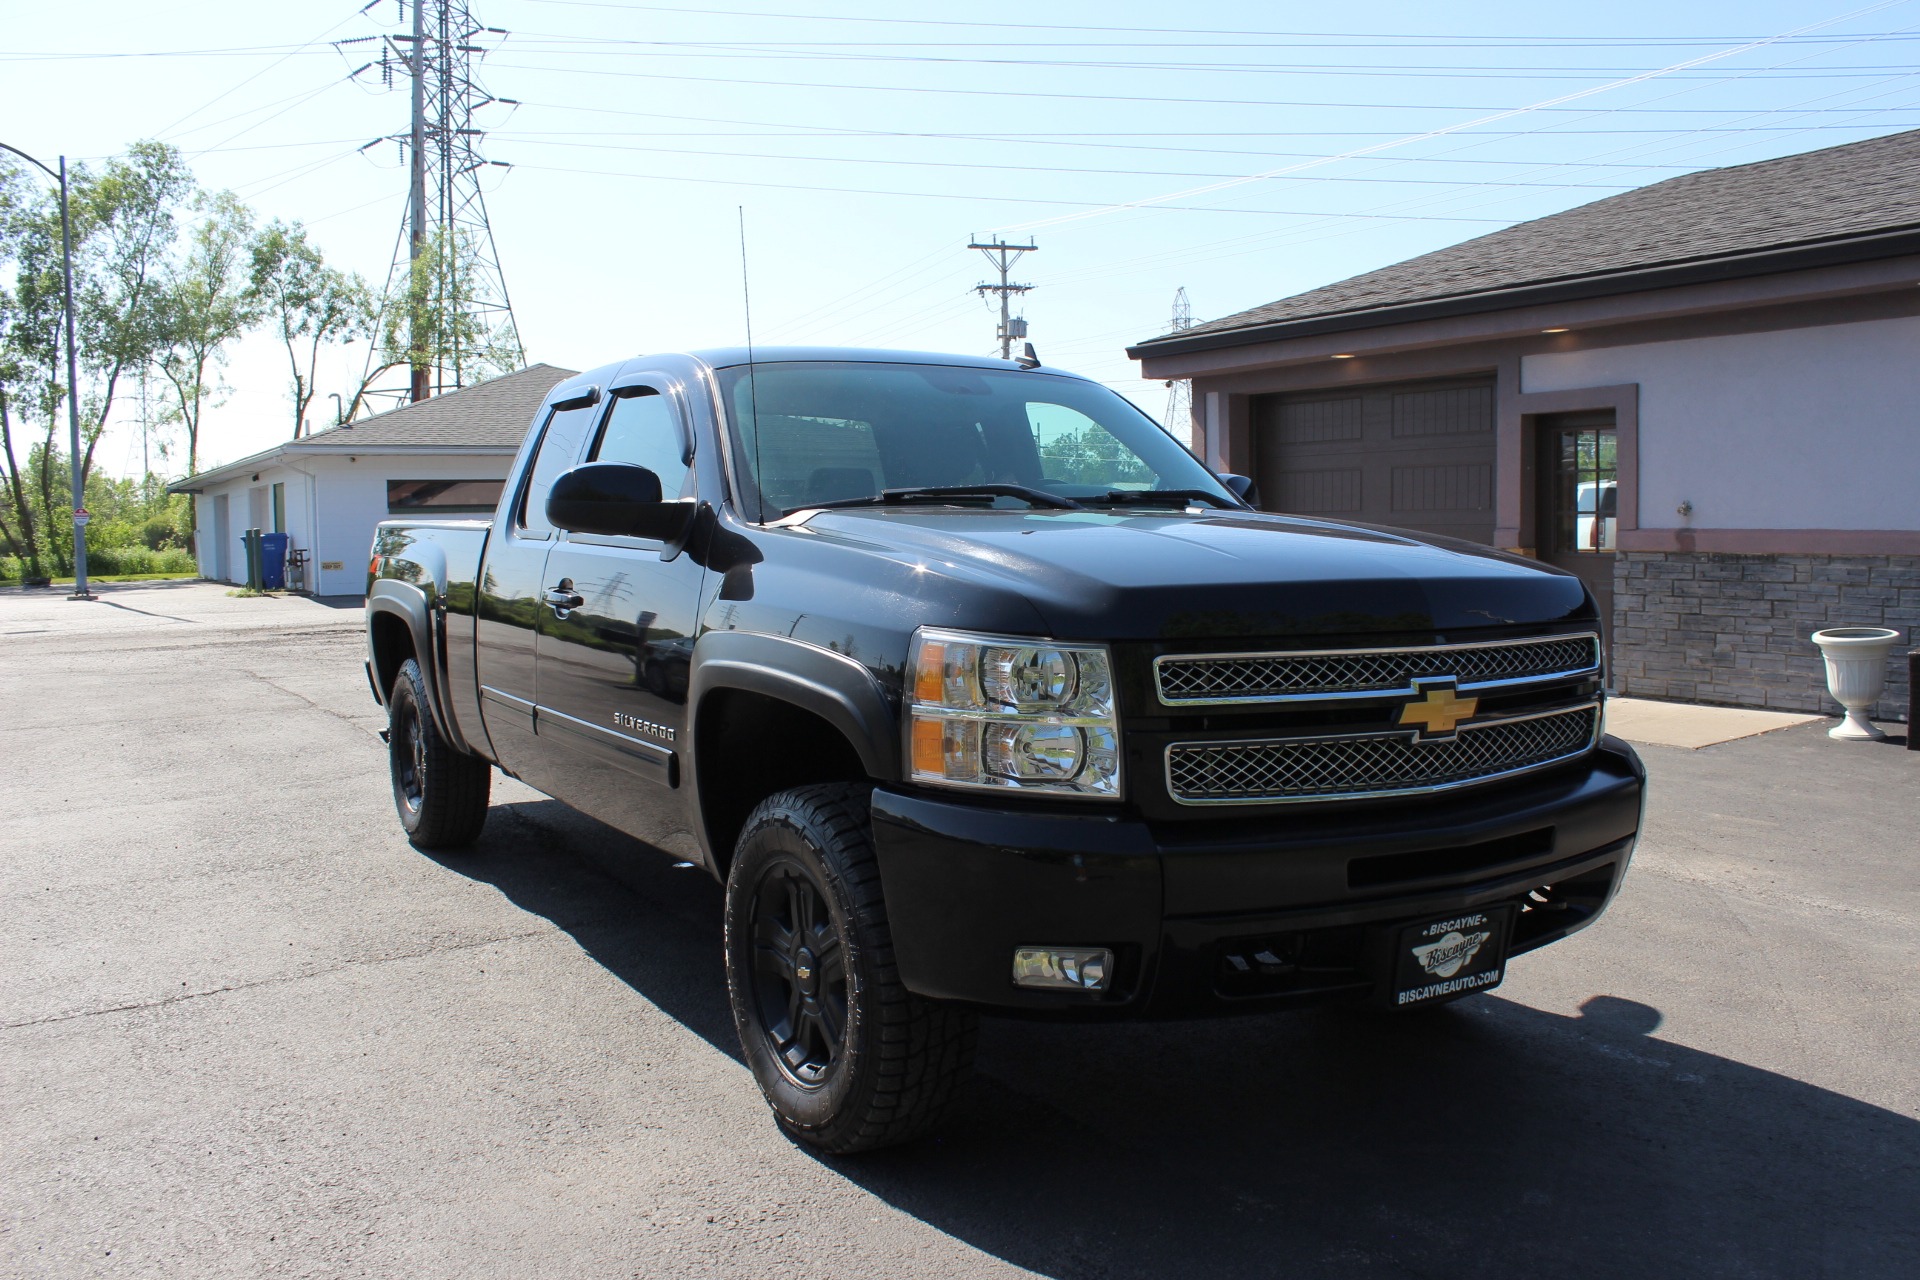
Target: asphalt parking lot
(248, 1031)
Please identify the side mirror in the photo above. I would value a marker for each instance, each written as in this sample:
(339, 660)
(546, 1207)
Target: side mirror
(615, 498)
(1243, 487)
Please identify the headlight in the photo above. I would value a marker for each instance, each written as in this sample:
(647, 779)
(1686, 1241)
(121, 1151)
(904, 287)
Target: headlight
(999, 711)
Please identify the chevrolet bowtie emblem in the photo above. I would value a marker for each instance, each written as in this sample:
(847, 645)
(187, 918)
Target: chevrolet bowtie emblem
(1439, 710)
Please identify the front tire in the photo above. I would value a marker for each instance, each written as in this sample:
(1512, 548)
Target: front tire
(847, 1057)
(441, 794)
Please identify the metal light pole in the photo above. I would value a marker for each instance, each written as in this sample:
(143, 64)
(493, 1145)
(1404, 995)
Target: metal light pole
(80, 591)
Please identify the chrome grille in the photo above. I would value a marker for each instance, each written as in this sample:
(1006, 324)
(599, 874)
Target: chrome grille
(1380, 764)
(1281, 677)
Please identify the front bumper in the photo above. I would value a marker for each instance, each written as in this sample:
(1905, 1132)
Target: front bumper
(1190, 908)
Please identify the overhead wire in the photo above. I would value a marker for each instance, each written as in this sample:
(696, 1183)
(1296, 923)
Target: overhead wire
(309, 43)
(1547, 105)
(1504, 41)
(896, 163)
(1496, 117)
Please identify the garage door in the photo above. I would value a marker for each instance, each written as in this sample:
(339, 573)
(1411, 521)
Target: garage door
(1416, 456)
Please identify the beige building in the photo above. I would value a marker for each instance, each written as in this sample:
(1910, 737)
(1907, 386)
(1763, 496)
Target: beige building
(1702, 396)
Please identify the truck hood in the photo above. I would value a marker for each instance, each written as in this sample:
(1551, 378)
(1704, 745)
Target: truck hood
(1165, 575)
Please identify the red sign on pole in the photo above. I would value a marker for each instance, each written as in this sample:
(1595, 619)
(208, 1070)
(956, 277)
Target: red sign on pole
(81, 516)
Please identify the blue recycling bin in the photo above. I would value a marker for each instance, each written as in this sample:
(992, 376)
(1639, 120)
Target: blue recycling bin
(273, 557)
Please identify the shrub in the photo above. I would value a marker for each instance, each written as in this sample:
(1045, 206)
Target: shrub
(138, 559)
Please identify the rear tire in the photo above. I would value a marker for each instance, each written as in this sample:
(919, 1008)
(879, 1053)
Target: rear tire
(441, 794)
(847, 1057)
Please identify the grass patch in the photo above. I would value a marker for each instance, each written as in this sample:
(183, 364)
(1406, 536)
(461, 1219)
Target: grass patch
(248, 593)
(114, 577)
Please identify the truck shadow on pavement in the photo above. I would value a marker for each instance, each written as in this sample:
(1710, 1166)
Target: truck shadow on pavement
(1485, 1138)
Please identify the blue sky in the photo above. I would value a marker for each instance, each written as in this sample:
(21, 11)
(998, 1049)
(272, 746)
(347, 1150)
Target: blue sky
(867, 142)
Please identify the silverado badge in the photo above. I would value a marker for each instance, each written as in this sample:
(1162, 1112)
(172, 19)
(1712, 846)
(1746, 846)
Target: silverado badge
(1438, 710)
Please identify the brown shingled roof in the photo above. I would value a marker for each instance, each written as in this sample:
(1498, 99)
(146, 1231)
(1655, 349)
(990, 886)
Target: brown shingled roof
(1853, 190)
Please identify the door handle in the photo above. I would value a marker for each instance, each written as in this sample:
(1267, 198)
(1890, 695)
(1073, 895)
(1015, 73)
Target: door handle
(564, 597)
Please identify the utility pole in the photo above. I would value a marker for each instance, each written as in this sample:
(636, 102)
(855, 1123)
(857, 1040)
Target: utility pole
(417, 236)
(1003, 255)
(459, 313)
(1179, 418)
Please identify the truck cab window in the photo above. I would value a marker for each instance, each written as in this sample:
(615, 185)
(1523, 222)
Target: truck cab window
(559, 452)
(644, 430)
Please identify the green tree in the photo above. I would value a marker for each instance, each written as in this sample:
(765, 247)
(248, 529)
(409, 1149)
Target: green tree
(126, 221)
(124, 225)
(31, 391)
(428, 321)
(204, 303)
(308, 303)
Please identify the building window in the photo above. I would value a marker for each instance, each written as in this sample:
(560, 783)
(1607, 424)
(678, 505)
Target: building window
(279, 508)
(443, 497)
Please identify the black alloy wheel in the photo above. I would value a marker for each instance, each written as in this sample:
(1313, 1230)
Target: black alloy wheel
(440, 794)
(409, 745)
(847, 1057)
(799, 979)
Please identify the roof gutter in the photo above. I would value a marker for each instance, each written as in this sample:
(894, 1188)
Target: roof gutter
(275, 457)
(1827, 253)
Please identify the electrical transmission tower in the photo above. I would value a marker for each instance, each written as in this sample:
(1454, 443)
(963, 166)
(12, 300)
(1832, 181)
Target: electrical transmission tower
(1003, 255)
(1179, 417)
(445, 310)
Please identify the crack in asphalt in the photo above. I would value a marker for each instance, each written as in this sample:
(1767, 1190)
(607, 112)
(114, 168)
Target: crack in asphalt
(1743, 885)
(141, 642)
(284, 979)
(317, 706)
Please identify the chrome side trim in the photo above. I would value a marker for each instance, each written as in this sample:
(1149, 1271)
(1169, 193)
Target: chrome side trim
(652, 752)
(1593, 739)
(1349, 695)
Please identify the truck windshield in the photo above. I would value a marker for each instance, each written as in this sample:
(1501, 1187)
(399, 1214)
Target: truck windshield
(820, 432)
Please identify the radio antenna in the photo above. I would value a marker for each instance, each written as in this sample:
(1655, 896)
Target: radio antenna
(753, 398)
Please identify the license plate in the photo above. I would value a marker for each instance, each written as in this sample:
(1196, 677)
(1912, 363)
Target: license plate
(1451, 955)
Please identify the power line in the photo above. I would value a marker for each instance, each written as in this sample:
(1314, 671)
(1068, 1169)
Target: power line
(946, 195)
(1259, 133)
(1540, 41)
(1546, 105)
(309, 43)
(1276, 104)
(1022, 168)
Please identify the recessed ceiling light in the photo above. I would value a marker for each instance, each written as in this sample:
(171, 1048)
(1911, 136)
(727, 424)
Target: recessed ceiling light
(1344, 355)
(1553, 331)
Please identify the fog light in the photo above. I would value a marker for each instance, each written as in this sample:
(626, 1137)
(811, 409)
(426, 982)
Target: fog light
(1063, 968)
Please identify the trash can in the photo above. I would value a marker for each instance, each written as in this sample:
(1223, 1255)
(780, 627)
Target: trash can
(273, 561)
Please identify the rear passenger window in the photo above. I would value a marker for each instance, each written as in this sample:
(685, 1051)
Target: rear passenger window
(644, 429)
(559, 452)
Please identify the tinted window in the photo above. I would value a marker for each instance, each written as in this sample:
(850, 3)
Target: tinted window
(443, 497)
(559, 453)
(644, 430)
(816, 432)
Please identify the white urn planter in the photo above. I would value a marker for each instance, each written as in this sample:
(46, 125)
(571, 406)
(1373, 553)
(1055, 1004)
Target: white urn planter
(1856, 673)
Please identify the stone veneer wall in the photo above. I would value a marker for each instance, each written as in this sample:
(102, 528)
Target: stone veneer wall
(1718, 627)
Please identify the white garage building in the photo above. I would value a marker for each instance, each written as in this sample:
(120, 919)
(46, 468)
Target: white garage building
(444, 456)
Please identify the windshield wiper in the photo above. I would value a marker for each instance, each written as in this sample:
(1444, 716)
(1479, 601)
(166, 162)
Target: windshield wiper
(1163, 498)
(954, 494)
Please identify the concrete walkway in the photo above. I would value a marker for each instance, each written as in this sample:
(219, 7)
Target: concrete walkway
(1691, 725)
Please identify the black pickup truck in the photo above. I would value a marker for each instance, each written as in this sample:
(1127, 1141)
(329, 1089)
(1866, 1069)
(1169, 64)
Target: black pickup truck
(979, 692)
